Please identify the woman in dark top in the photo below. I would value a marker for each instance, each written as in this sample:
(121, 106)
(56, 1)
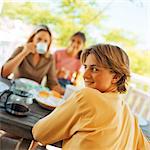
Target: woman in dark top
(33, 60)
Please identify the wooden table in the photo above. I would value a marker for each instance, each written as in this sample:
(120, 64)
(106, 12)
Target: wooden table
(22, 126)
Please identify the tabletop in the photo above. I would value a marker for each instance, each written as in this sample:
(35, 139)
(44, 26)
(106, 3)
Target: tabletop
(22, 125)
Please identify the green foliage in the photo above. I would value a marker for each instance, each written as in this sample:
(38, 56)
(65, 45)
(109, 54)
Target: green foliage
(140, 62)
(29, 12)
(68, 18)
(75, 17)
(120, 36)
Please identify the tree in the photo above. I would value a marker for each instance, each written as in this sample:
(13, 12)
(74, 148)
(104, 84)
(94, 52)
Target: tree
(67, 17)
(139, 61)
(74, 16)
(120, 36)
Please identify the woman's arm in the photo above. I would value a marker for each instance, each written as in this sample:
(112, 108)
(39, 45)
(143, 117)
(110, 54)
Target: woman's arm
(59, 89)
(52, 81)
(13, 63)
(75, 77)
(33, 145)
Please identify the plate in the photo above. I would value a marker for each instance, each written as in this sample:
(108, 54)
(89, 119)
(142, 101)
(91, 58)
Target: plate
(50, 103)
(48, 100)
(3, 86)
(26, 81)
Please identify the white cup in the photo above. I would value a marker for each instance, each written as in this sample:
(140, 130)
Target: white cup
(69, 90)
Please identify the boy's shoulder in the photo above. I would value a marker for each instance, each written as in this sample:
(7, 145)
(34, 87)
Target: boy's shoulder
(94, 94)
(89, 91)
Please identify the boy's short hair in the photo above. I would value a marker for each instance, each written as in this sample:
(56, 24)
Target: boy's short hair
(113, 58)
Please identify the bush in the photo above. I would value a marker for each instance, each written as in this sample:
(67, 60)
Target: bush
(140, 62)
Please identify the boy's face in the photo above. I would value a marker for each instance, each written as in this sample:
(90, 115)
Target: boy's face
(98, 77)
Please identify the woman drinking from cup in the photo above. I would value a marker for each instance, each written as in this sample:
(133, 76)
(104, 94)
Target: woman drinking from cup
(33, 60)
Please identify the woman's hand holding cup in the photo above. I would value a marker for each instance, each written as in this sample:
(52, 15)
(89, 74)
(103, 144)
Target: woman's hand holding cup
(29, 48)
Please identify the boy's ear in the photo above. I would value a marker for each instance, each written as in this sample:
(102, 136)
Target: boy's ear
(116, 78)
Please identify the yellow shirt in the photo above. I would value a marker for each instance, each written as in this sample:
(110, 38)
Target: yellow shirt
(90, 120)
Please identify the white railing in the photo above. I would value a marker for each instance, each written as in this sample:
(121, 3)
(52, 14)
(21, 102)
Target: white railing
(139, 102)
(140, 82)
(138, 95)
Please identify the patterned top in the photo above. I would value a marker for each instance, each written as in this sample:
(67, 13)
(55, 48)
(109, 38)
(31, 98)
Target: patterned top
(64, 61)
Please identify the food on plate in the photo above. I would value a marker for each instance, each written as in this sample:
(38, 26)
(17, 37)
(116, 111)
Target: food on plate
(49, 99)
(44, 94)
